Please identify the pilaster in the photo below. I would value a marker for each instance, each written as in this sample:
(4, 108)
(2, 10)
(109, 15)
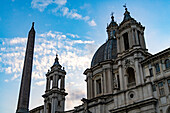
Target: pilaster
(136, 36)
(121, 76)
(138, 81)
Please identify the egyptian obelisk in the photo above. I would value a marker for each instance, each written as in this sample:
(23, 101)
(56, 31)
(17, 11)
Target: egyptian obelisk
(24, 94)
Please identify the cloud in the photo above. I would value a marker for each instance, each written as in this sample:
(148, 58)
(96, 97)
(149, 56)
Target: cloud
(73, 35)
(42, 4)
(46, 46)
(73, 14)
(92, 23)
(18, 40)
(79, 42)
(6, 80)
(74, 95)
(73, 54)
(61, 9)
(40, 83)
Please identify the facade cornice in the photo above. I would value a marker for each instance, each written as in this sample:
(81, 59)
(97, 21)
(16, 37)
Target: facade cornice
(132, 51)
(134, 105)
(156, 56)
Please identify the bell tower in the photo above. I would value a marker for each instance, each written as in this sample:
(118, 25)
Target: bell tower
(54, 97)
(131, 49)
(130, 34)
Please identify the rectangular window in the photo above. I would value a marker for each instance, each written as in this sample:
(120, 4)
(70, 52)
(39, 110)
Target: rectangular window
(169, 84)
(161, 88)
(126, 41)
(154, 88)
(59, 103)
(151, 72)
(99, 86)
(118, 80)
(157, 68)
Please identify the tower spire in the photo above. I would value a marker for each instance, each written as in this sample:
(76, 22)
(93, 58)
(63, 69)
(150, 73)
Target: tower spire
(24, 94)
(126, 14)
(112, 17)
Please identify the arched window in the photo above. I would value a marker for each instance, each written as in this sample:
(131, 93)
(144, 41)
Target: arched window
(167, 63)
(131, 75)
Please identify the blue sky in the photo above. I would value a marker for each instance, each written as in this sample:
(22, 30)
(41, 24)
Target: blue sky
(74, 29)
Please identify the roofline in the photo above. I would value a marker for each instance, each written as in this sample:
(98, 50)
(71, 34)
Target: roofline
(153, 57)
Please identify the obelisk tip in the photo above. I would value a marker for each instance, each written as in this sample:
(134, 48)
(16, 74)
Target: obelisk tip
(32, 24)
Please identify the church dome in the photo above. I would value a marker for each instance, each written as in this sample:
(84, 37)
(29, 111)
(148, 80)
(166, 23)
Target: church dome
(105, 52)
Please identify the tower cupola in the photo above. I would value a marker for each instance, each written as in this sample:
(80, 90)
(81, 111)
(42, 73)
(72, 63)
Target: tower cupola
(130, 34)
(54, 97)
(111, 28)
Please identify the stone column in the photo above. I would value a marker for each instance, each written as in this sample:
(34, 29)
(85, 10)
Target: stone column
(143, 40)
(63, 103)
(57, 77)
(54, 105)
(121, 76)
(95, 89)
(54, 81)
(134, 38)
(62, 84)
(45, 106)
(92, 88)
(126, 81)
(130, 39)
(161, 70)
(109, 81)
(137, 38)
(46, 84)
(141, 74)
(88, 86)
(138, 81)
(122, 44)
(104, 84)
(118, 45)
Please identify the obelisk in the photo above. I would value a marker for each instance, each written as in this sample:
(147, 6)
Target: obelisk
(24, 94)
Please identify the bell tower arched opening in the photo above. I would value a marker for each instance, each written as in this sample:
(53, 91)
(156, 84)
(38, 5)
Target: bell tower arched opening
(126, 41)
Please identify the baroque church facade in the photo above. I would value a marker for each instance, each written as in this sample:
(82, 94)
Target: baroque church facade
(123, 78)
